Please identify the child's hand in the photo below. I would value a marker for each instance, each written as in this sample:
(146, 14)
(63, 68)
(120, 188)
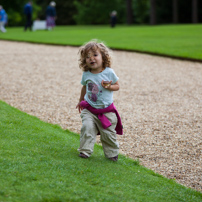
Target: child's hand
(106, 84)
(79, 107)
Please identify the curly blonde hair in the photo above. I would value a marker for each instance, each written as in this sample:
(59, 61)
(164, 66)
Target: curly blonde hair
(94, 45)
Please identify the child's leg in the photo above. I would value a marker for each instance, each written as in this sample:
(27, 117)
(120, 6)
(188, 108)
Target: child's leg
(109, 137)
(89, 132)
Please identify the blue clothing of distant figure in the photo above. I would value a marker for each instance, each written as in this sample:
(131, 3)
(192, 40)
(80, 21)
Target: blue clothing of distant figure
(50, 11)
(28, 14)
(2, 19)
(28, 9)
(2, 15)
(5, 19)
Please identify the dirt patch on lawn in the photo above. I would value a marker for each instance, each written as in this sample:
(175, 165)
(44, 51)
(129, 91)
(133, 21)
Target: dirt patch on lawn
(160, 102)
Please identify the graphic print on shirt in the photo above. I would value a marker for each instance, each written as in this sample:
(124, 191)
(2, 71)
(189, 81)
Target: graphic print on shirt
(94, 91)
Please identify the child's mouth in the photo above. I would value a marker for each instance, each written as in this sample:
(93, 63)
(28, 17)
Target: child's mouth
(92, 63)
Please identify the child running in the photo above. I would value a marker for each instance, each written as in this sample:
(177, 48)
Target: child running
(98, 113)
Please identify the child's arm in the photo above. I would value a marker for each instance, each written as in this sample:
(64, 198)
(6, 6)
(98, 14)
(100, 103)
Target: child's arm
(112, 87)
(83, 92)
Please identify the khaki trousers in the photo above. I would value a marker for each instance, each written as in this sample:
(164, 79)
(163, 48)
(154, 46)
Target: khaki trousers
(90, 128)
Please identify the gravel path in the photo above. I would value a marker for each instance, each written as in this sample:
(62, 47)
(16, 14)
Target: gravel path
(160, 102)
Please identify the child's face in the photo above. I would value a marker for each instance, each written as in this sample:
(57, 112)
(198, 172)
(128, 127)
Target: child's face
(94, 61)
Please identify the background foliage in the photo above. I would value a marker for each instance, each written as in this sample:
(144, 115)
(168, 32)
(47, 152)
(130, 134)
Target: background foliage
(71, 12)
(141, 11)
(98, 12)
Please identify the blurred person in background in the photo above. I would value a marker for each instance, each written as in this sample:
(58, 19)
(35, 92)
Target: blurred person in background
(113, 18)
(3, 19)
(51, 15)
(28, 14)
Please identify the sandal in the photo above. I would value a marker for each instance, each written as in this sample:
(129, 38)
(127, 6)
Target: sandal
(83, 156)
(115, 158)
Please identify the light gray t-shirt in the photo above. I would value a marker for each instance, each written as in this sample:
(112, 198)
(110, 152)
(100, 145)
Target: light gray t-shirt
(97, 96)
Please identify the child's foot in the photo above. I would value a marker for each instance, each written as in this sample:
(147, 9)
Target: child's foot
(83, 156)
(115, 158)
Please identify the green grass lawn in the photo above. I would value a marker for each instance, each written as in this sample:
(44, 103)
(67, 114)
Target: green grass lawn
(183, 41)
(39, 163)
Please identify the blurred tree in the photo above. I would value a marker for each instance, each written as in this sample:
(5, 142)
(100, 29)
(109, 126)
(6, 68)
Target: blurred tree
(163, 12)
(65, 12)
(129, 11)
(185, 11)
(199, 11)
(152, 12)
(194, 11)
(175, 11)
(98, 12)
(141, 11)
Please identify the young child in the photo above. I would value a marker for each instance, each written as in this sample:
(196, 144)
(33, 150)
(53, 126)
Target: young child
(98, 113)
